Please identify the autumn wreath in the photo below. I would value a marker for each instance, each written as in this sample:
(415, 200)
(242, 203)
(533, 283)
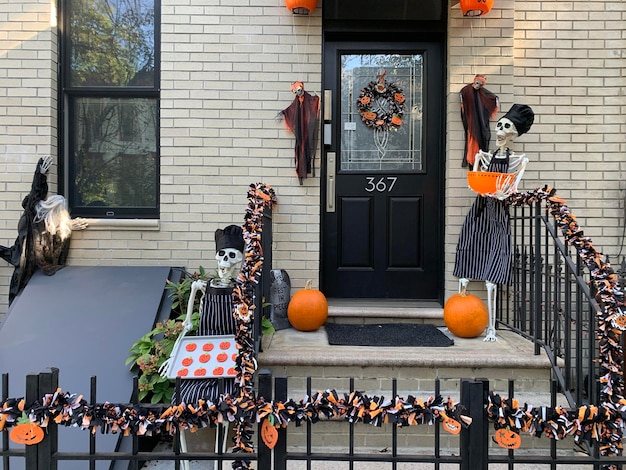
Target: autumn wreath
(381, 104)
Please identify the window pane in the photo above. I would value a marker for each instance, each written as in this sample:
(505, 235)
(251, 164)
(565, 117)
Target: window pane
(113, 162)
(381, 147)
(112, 43)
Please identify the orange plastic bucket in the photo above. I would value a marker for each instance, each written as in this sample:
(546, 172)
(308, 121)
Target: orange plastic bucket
(483, 182)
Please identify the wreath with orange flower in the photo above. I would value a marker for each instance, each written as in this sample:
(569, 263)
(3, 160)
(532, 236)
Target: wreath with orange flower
(381, 104)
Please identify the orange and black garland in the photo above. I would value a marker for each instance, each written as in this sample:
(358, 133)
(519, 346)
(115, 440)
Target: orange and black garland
(260, 197)
(603, 423)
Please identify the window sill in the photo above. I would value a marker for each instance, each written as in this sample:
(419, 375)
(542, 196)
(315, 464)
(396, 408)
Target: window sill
(122, 224)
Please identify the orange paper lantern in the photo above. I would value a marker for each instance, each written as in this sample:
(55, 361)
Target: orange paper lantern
(476, 7)
(301, 7)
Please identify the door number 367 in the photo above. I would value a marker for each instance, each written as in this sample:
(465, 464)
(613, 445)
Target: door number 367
(384, 184)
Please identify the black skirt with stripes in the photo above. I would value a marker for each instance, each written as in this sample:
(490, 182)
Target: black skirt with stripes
(483, 251)
(216, 318)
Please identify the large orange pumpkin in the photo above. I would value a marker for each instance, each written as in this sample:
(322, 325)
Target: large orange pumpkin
(465, 315)
(308, 309)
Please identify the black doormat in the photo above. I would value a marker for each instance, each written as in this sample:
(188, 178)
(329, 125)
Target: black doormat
(386, 334)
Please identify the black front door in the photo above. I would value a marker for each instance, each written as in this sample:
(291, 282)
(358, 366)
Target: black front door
(382, 192)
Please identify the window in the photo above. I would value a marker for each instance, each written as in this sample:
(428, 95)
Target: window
(110, 95)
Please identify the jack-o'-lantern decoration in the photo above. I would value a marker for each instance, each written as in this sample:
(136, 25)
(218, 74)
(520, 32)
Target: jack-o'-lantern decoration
(26, 432)
(301, 7)
(476, 7)
(507, 439)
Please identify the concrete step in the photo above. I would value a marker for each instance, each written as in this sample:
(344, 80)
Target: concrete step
(377, 311)
(297, 355)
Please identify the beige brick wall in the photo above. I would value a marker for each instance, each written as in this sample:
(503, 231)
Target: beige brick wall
(566, 60)
(226, 72)
(28, 94)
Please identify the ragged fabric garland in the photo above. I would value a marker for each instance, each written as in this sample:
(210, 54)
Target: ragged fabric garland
(67, 409)
(603, 423)
(260, 197)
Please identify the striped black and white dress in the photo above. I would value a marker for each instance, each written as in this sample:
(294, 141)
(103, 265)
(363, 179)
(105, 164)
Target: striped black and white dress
(483, 251)
(216, 318)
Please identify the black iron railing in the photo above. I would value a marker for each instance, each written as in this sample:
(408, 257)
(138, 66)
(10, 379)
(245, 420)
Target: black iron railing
(550, 302)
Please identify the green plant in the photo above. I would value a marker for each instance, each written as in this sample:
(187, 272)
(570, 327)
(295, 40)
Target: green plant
(266, 325)
(151, 351)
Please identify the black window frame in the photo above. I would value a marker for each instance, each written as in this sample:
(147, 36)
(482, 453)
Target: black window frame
(67, 94)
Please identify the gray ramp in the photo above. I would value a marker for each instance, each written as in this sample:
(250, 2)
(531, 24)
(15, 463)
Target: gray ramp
(83, 321)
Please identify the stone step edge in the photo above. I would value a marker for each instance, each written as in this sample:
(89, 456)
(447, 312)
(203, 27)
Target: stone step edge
(435, 313)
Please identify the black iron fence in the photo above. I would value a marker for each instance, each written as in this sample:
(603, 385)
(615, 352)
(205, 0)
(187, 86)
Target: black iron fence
(472, 449)
(550, 302)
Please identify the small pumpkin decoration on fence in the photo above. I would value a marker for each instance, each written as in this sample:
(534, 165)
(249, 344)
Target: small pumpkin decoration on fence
(465, 315)
(269, 433)
(308, 309)
(26, 432)
(507, 439)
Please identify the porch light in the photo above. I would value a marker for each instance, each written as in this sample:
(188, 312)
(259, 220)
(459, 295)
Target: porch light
(476, 7)
(301, 7)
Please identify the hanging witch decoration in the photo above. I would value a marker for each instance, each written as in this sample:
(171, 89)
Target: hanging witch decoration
(478, 106)
(301, 118)
(381, 107)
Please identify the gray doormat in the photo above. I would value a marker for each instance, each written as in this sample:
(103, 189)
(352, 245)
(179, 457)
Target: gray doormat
(386, 334)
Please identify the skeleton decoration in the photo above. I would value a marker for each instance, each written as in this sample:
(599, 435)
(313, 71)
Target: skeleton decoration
(484, 246)
(478, 106)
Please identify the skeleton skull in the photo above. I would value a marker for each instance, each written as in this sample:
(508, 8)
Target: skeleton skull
(505, 132)
(228, 260)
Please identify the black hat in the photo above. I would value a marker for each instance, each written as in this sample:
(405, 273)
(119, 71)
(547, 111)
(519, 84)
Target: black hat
(522, 116)
(229, 237)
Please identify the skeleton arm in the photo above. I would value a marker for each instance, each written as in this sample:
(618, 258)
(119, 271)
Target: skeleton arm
(507, 185)
(482, 160)
(187, 324)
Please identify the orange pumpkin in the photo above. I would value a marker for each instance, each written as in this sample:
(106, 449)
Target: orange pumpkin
(465, 315)
(308, 309)
(507, 439)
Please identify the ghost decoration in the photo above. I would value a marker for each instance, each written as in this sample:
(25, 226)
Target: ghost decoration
(301, 118)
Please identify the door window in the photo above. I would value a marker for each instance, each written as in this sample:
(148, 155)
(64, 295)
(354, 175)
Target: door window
(381, 113)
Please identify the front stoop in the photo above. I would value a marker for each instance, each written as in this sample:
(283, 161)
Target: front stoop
(297, 355)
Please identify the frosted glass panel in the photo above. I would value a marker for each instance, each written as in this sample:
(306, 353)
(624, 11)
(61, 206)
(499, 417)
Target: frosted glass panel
(381, 112)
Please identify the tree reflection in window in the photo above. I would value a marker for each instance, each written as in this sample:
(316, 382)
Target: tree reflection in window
(111, 89)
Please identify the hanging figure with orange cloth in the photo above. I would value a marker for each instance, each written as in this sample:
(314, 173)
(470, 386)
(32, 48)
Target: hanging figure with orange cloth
(301, 118)
(478, 106)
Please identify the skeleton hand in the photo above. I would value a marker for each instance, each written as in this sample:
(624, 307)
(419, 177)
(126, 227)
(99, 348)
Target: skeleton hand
(44, 164)
(505, 186)
(79, 224)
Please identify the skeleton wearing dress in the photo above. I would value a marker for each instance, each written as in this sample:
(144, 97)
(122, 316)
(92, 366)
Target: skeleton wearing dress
(484, 246)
